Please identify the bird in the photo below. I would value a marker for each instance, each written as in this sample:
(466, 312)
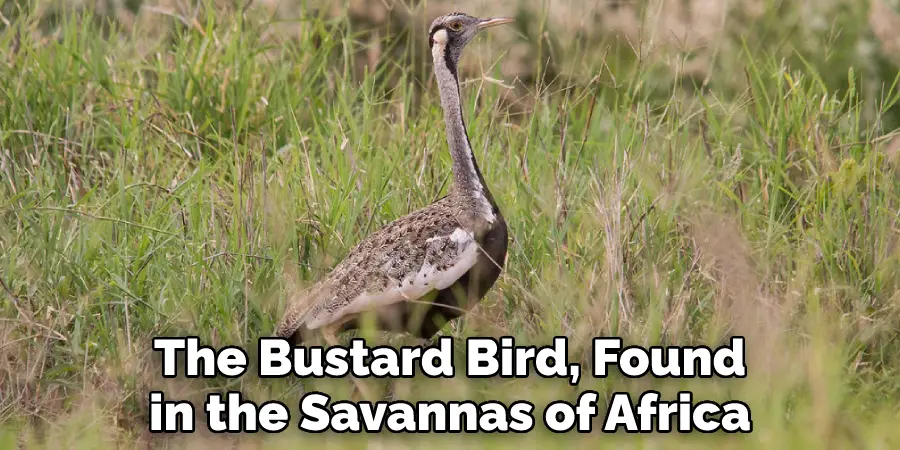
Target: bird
(427, 268)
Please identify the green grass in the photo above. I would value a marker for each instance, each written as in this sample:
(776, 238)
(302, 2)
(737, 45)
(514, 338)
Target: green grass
(189, 185)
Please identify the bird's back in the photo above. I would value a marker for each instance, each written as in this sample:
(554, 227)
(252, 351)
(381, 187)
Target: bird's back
(421, 255)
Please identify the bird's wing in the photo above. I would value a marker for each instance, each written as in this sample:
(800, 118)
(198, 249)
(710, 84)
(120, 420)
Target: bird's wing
(425, 265)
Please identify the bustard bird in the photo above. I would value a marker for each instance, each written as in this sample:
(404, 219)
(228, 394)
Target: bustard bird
(426, 268)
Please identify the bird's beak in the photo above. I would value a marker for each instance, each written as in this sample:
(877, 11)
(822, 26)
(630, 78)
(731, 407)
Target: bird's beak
(487, 23)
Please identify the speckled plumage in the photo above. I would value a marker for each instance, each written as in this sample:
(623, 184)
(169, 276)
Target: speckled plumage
(447, 254)
(385, 260)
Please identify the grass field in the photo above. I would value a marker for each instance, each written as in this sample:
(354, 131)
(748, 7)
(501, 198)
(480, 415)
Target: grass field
(191, 183)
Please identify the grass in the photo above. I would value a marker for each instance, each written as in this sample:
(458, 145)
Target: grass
(191, 183)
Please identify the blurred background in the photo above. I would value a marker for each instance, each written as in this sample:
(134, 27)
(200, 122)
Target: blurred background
(690, 45)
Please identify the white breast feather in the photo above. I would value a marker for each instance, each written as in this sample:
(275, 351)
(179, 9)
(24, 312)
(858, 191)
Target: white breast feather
(427, 279)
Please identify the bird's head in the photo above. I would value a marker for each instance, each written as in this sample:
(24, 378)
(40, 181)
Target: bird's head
(450, 33)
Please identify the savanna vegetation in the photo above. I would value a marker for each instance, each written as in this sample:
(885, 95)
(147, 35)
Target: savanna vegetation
(184, 169)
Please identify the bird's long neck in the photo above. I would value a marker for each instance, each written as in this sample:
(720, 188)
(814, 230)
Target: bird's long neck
(468, 180)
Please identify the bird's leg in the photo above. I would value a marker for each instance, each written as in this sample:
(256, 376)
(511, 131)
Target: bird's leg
(418, 312)
(359, 387)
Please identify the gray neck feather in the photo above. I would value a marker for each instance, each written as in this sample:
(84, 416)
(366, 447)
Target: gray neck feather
(467, 178)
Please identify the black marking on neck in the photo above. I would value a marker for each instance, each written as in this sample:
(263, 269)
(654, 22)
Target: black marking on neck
(435, 30)
(448, 59)
(451, 66)
(431, 35)
(462, 118)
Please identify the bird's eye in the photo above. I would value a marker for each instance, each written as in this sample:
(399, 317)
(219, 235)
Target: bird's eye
(455, 26)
